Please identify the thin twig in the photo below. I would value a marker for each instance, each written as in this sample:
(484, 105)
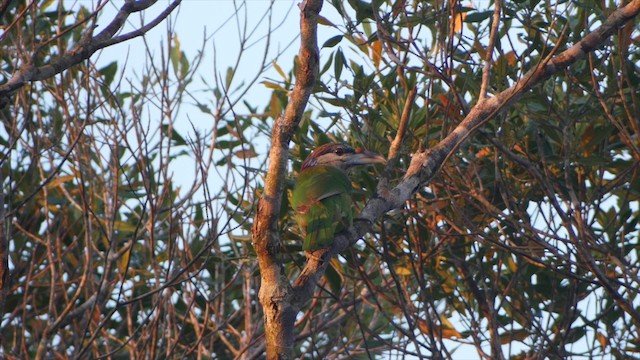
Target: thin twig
(488, 56)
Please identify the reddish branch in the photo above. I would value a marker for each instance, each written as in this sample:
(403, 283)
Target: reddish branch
(275, 289)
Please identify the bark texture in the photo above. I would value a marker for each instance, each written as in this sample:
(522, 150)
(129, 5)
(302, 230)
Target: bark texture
(275, 290)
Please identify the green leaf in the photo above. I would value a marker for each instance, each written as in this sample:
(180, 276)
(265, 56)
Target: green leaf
(339, 61)
(333, 276)
(332, 41)
(175, 55)
(229, 77)
(327, 65)
(175, 136)
(109, 72)
(475, 17)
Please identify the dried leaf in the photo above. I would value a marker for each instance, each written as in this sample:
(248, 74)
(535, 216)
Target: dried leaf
(245, 154)
(458, 19)
(445, 330)
(513, 335)
(602, 339)
(376, 53)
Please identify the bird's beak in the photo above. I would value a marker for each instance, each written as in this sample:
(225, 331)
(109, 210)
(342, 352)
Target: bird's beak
(363, 157)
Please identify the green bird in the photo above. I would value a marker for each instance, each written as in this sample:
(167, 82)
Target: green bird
(322, 194)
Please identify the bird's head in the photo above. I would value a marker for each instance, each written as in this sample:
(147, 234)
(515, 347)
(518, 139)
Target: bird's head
(341, 156)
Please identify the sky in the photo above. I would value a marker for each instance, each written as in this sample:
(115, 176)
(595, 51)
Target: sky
(214, 23)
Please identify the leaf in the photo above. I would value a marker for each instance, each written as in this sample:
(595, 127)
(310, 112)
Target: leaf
(484, 152)
(458, 20)
(513, 335)
(478, 16)
(333, 41)
(327, 65)
(403, 270)
(275, 107)
(59, 180)
(184, 65)
(272, 85)
(444, 330)
(229, 77)
(245, 154)
(334, 276)
(245, 238)
(175, 54)
(204, 108)
(376, 53)
(511, 264)
(511, 58)
(124, 227)
(109, 72)
(177, 139)
(324, 21)
(279, 70)
(602, 339)
(339, 61)
(123, 261)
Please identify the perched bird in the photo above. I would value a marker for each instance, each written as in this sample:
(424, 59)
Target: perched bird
(322, 194)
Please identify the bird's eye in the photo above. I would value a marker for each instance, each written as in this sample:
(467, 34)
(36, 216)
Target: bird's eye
(339, 151)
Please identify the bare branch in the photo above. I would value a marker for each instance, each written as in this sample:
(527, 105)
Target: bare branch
(488, 58)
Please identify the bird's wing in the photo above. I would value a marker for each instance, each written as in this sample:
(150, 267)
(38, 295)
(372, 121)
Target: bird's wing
(330, 194)
(324, 218)
(317, 184)
(322, 202)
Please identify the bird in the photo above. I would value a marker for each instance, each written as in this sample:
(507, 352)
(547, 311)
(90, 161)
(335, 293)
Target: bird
(321, 197)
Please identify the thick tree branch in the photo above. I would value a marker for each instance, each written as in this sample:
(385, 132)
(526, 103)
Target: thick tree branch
(426, 164)
(275, 290)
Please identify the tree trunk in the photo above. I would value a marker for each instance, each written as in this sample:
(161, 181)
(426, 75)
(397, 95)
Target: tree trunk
(276, 293)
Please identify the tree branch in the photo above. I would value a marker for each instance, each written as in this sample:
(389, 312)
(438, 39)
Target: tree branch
(275, 290)
(488, 58)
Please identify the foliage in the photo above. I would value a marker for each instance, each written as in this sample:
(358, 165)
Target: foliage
(111, 251)
(525, 245)
(528, 238)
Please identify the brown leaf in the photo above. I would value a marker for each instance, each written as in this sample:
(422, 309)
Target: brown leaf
(376, 53)
(245, 154)
(602, 339)
(513, 335)
(445, 331)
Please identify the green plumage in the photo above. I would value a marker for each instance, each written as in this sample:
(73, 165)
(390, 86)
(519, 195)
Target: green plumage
(322, 202)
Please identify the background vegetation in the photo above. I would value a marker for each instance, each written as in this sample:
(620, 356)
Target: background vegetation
(524, 245)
